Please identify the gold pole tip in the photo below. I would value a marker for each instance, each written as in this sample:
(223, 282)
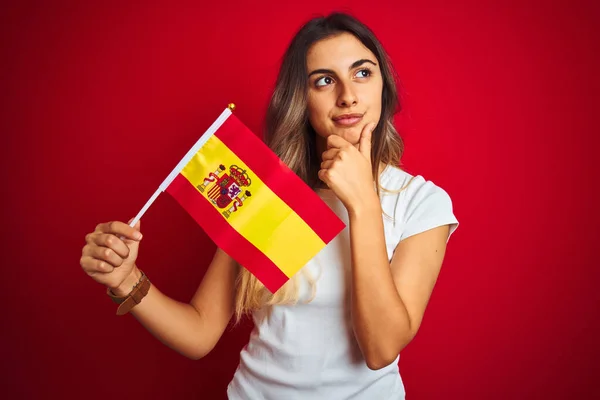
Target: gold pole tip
(231, 106)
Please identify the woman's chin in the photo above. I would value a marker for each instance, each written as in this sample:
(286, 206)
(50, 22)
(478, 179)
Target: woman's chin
(351, 135)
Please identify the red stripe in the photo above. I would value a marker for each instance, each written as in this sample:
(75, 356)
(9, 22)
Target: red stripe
(211, 192)
(280, 179)
(224, 236)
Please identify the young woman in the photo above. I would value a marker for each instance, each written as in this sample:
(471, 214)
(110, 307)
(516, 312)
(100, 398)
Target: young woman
(336, 329)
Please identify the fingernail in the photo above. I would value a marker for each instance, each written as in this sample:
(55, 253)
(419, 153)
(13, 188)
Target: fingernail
(137, 235)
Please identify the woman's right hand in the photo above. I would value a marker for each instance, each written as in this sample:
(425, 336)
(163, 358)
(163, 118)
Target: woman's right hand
(110, 253)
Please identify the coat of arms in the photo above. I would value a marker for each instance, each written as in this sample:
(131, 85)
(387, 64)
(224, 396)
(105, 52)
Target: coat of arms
(226, 190)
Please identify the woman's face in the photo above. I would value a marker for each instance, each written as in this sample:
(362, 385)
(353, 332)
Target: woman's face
(345, 86)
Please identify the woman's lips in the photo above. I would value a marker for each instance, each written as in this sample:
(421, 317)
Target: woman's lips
(348, 120)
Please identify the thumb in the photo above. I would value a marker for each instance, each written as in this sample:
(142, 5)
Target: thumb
(136, 227)
(364, 144)
(137, 224)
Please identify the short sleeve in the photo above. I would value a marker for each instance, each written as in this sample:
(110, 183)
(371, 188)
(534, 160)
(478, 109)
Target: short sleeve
(427, 206)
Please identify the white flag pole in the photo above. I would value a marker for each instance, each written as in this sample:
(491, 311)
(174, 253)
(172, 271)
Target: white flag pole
(203, 139)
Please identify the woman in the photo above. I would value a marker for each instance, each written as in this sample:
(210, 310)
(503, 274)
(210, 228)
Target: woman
(336, 329)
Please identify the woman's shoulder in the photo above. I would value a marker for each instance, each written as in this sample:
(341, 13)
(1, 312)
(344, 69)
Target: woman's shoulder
(396, 181)
(408, 197)
(393, 176)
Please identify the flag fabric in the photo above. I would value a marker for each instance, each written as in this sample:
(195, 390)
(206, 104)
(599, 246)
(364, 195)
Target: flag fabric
(250, 203)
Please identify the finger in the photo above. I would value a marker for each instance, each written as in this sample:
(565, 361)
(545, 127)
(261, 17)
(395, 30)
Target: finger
(330, 154)
(327, 164)
(112, 242)
(336, 142)
(323, 176)
(365, 140)
(119, 228)
(92, 265)
(327, 176)
(107, 255)
(136, 226)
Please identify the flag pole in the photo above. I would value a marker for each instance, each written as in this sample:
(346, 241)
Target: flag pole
(203, 139)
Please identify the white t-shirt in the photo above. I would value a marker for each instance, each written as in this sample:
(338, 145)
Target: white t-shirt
(308, 351)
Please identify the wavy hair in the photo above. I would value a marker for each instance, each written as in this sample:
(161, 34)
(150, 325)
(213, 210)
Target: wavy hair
(289, 134)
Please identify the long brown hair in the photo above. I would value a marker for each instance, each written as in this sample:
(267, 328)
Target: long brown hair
(289, 134)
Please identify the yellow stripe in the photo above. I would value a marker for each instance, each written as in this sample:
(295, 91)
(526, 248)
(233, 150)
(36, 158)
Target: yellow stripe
(291, 245)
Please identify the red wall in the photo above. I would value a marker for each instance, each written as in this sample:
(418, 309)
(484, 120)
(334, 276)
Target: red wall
(99, 102)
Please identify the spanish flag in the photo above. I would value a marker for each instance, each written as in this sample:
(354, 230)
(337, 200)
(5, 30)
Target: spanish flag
(250, 203)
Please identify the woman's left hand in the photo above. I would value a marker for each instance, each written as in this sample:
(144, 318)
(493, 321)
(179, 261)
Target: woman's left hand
(347, 170)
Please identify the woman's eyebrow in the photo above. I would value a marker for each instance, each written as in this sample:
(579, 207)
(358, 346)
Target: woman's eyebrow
(355, 64)
(360, 62)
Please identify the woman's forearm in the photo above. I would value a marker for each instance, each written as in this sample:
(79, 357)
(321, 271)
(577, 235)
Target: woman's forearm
(178, 325)
(380, 319)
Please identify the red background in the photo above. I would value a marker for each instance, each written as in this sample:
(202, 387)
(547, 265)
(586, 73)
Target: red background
(99, 101)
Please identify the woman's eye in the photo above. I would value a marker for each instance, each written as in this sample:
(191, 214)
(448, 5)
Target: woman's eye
(326, 80)
(363, 73)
